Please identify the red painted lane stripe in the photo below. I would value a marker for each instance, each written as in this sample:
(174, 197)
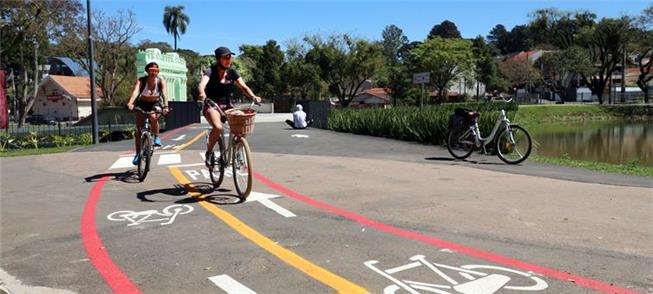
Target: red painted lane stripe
(549, 272)
(95, 249)
(170, 133)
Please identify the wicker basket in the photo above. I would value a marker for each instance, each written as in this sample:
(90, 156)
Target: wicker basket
(241, 124)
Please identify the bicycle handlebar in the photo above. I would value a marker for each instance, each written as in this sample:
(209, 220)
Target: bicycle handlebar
(136, 108)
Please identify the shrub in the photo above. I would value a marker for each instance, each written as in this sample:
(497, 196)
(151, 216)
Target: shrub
(32, 140)
(85, 139)
(428, 125)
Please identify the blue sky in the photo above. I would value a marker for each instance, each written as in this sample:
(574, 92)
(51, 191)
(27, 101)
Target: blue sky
(233, 23)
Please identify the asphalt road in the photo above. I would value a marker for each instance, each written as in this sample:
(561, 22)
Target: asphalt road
(330, 212)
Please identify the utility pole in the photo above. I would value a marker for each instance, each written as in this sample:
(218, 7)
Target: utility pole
(623, 76)
(90, 72)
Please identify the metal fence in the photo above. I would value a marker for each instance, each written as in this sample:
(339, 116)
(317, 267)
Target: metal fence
(61, 129)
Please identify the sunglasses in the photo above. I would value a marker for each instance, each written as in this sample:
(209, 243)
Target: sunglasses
(227, 57)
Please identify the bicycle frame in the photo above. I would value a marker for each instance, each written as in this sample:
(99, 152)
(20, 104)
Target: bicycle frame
(501, 120)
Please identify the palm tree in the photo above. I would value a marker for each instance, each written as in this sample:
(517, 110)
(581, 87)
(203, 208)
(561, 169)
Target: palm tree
(175, 21)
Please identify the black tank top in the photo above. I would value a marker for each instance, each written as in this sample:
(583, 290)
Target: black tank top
(221, 91)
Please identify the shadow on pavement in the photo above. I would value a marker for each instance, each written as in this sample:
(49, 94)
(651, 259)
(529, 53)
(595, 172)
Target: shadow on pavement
(177, 190)
(218, 196)
(130, 176)
(440, 158)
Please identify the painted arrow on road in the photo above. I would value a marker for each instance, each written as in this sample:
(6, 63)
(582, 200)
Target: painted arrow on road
(264, 199)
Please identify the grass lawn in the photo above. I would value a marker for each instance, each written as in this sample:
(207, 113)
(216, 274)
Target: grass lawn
(632, 169)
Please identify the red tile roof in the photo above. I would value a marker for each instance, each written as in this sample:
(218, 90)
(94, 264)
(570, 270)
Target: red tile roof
(378, 91)
(76, 86)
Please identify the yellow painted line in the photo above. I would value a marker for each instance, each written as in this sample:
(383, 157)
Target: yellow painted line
(328, 278)
(191, 141)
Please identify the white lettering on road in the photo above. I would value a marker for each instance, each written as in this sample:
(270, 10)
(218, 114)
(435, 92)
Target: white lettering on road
(229, 285)
(195, 174)
(264, 199)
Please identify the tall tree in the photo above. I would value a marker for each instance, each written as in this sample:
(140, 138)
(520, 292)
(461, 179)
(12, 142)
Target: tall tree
(500, 38)
(345, 63)
(520, 39)
(486, 68)
(303, 78)
(393, 40)
(560, 69)
(265, 64)
(560, 29)
(519, 72)
(445, 59)
(605, 45)
(27, 29)
(175, 21)
(445, 29)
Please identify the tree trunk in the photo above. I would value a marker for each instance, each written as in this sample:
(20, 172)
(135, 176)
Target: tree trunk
(175, 37)
(646, 95)
(440, 94)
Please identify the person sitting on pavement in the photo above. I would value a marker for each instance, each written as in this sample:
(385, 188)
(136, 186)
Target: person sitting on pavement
(299, 119)
(148, 90)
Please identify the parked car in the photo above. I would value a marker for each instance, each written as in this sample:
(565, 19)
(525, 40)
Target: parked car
(38, 119)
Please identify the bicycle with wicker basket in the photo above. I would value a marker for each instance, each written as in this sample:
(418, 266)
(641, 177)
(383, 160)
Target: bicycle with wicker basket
(237, 153)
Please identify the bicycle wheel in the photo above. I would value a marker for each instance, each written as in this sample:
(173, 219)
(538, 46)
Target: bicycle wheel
(515, 146)
(460, 142)
(218, 165)
(146, 155)
(242, 168)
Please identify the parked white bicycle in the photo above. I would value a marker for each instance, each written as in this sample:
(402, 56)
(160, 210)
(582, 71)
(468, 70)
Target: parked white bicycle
(513, 144)
(465, 279)
(166, 216)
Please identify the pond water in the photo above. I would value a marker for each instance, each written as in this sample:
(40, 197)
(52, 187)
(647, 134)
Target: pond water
(611, 142)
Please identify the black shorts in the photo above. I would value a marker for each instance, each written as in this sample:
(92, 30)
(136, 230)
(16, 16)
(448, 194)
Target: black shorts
(147, 106)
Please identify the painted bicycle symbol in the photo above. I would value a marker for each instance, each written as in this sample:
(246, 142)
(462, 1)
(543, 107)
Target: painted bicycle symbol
(166, 216)
(466, 279)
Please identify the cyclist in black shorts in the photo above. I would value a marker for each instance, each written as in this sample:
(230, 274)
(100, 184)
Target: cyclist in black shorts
(217, 84)
(148, 89)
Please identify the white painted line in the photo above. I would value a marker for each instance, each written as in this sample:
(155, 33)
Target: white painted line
(264, 199)
(179, 138)
(172, 158)
(299, 136)
(123, 162)
(187, 165)
(167, 147)
(229, 285)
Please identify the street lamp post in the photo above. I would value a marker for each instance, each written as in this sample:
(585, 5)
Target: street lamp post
(90, 72)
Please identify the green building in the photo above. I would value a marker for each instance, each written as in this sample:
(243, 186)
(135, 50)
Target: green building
(172, 69)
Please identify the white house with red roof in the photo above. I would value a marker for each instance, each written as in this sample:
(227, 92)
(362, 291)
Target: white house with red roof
(65, 98)
(372, 98)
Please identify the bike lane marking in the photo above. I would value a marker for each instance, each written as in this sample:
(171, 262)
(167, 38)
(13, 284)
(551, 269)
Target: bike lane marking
(97, 253)
(93, 245)
(314, 271)
(470, 251)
